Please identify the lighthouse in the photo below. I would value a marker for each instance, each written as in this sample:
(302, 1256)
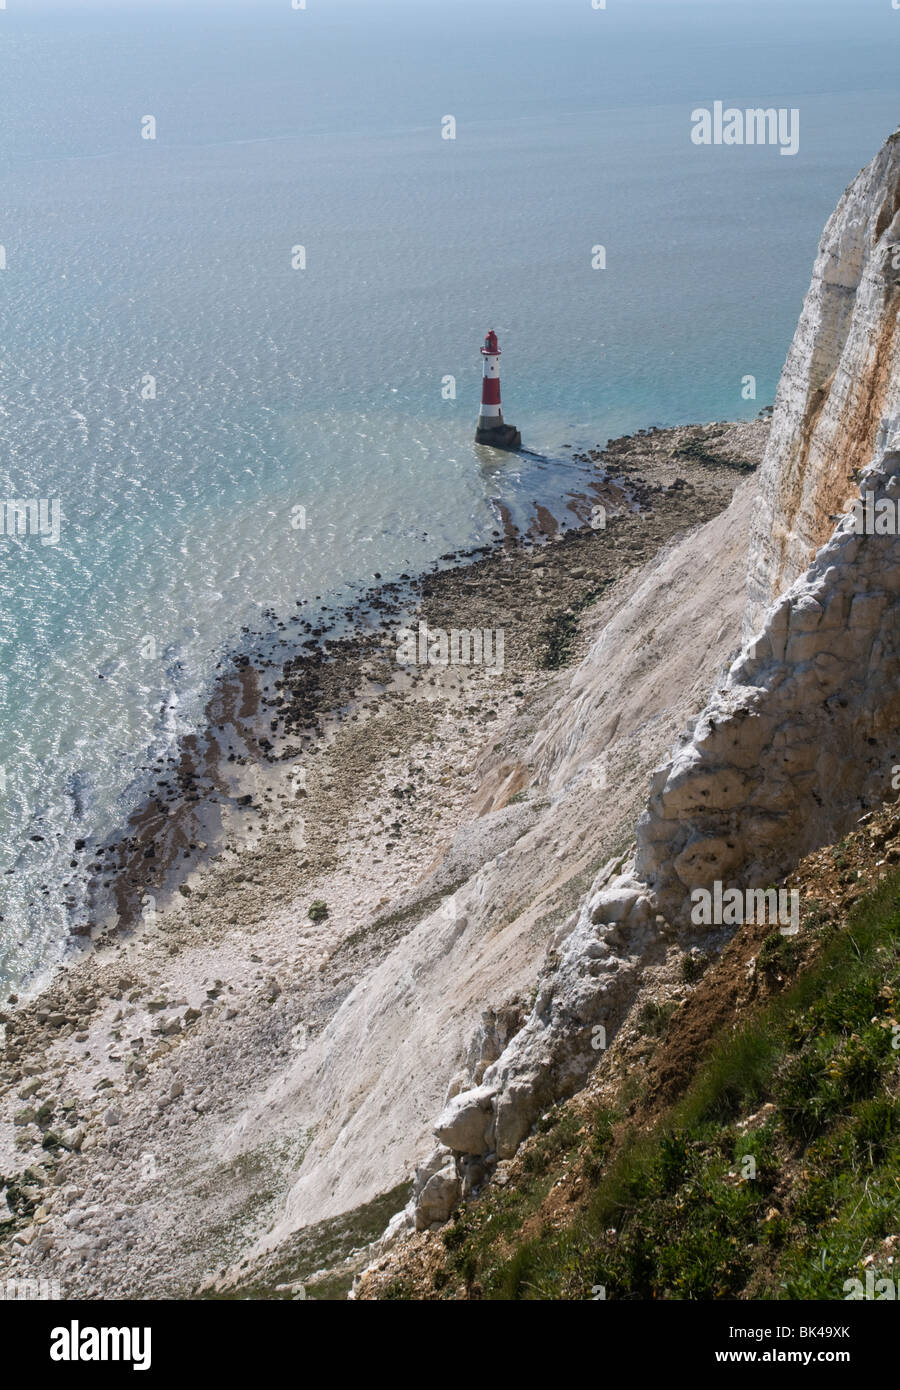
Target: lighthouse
(490, 428)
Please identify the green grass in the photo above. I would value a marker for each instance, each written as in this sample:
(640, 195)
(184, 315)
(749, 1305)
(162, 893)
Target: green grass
(312, 1249)
(704, 1207)
(654, 1018)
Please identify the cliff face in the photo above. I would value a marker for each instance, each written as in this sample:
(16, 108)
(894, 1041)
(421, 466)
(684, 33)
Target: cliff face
(802, 733)
(802, 736)
(841, 380)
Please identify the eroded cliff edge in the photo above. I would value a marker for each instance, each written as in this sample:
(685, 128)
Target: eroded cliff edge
(841, 381)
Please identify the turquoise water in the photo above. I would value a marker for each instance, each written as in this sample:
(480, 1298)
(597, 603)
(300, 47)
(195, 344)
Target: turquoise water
(321, 388)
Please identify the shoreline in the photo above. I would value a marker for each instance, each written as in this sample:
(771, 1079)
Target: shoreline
(190, 801)
(155, 1038)
(246, 722)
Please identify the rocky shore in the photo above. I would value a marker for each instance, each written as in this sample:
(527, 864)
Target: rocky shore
(334, 797)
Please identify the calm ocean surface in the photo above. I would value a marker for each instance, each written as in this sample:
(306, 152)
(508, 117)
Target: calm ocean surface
(321, 388)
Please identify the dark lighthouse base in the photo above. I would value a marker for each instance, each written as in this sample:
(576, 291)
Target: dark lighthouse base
(499, 436)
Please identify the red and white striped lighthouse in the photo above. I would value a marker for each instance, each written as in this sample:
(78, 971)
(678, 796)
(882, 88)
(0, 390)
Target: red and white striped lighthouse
(491, 415)
(490, 428)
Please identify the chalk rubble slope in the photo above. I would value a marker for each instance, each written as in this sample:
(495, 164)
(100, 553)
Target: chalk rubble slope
(439, 1009)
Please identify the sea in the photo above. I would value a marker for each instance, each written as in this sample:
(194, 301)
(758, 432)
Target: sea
(249, 251)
